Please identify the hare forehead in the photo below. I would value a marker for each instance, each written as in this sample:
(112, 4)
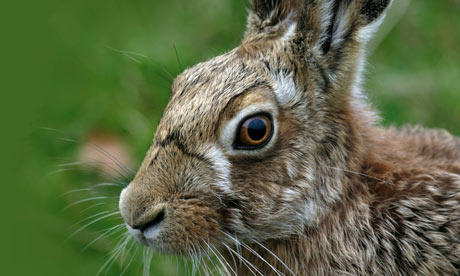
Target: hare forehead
(215, 80)
(201, 93)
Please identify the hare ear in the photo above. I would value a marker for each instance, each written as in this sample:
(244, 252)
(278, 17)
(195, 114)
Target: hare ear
(268, 15)
(331, 33)
(321, 24)
(344, 21)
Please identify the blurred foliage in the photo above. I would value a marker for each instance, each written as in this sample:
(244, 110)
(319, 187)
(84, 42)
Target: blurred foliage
(75, 67)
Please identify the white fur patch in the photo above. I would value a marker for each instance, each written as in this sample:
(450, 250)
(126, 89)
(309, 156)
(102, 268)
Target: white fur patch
(310, 212)
(285, 88)
(291, 170)
(152, 232)
(290, 32)
(122, 202)
(222, 167)
(291, 195)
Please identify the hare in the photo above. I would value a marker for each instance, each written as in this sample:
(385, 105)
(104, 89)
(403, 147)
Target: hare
(271, 157)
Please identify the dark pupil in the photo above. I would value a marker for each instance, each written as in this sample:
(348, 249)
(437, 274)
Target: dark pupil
(257, 129)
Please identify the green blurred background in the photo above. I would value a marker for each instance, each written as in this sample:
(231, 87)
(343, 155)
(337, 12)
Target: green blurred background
(81, 72)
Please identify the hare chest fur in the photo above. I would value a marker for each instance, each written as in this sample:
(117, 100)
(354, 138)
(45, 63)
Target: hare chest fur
(270, 155)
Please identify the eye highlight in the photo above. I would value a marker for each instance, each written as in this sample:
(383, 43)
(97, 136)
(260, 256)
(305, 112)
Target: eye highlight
(254, 132)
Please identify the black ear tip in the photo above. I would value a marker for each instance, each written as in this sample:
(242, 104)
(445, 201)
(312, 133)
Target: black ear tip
(372, 9)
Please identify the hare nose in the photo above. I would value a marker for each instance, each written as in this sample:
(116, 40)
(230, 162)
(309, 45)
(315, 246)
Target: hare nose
(156, 220)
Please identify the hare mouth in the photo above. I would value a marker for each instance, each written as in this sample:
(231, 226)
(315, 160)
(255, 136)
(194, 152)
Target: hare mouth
(137, 234)
(146, 236)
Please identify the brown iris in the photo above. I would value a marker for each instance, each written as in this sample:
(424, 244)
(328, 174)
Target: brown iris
(255, 131)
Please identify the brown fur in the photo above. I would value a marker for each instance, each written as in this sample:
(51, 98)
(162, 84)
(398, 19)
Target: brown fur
(334, 194)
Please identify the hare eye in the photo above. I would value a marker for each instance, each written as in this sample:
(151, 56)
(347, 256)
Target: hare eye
(254, 132)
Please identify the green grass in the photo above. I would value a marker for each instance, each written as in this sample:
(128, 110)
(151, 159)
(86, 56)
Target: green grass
(103, 65)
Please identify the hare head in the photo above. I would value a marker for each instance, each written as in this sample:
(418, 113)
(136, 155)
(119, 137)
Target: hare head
(254, 143)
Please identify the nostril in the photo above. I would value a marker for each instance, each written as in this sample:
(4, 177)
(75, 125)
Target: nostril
(157, 220)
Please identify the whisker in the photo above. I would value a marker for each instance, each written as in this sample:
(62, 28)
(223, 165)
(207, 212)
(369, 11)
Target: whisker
(92, 206)
(184, 261)
(177, 57)
(129, 53)
(101, 150)
(358, 173)
(91, 188)
(108, 176)
(114, 254)
(255, 254)
(122, 177)
(233, 257)
(49, 129)
(206, 253)
(125, 252)
(119, 253)
(245, 262)
(207, 271)
(144, 249)
(115, 179)
(59, 171)
(89, 199)
(200, 264)
(92, 222)
(238, 246)
(90, 217)
(147, 261)
(222, 260)
(131, 261)
(111, 231)
(86, 200)
(275, 256)
(106, 184)
(126, 172)
(189, 256)
(262, 258)
(177, 264)
(130, 172)
(76, 191)
(218, 259)
(195, 260)
(234, 261)
(105, 153)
